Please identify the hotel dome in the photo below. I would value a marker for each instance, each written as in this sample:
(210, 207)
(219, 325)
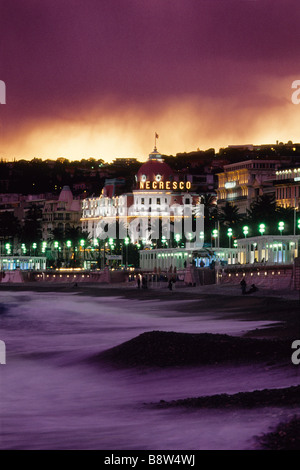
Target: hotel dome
(155, 169)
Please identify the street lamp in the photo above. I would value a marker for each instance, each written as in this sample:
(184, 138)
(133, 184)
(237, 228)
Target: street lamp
(82, 244)
(44, 246)
(111, 244)
(177, 238)
(215, 235)
(229, 235)
(8, 248)
(97, 245)
(262, 228)
(164, 240)
(126, 241)
(56, 246)
(281, 227)
(245, 230)
(34, 245)
(69, 244)
(23, 248)
(299, 223)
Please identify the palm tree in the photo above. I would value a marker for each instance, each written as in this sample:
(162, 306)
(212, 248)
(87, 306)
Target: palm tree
(32, 228)
(288, 216)
(75, 235)
(263, 210)
(210, 203)
(57, 234)
(264, 206)
(211, 214)
(229, 215)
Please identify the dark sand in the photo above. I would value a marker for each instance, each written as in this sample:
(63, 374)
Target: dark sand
(171, 349)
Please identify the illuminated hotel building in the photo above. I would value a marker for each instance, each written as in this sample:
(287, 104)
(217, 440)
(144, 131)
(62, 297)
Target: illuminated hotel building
(241, 183)
(157, 191)
(287, 187)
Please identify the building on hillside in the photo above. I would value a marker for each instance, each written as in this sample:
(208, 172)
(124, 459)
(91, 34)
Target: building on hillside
(123, 161)
(114, 187)
(19, 205)
(203, 182)
(287, 187)
(61, 213)
(242, 183)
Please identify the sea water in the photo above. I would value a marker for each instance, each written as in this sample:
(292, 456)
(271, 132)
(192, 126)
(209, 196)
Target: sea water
(53, 397)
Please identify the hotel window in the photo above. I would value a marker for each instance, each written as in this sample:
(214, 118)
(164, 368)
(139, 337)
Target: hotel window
(142, 200)
(158, 201)
(150, 200)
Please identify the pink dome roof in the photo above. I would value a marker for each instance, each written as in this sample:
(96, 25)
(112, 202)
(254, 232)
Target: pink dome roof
(66, 195)
(152, 168)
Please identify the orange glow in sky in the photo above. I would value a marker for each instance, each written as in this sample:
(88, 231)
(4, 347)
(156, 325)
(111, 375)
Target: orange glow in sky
(183, 126)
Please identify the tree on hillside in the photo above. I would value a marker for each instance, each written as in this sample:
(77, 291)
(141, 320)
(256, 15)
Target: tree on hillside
(9, 228)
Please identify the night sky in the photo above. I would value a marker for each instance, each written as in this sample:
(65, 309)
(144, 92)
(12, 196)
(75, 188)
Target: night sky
(98, 78)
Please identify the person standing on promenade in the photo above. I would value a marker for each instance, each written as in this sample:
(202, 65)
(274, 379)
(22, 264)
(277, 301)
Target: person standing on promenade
(243, 286)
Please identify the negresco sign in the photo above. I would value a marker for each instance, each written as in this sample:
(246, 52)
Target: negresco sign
(165, 185)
